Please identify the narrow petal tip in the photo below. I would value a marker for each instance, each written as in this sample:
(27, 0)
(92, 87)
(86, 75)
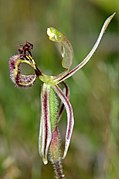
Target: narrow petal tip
(113, 15)
(66, 148)
(108, 20)
(45, 161)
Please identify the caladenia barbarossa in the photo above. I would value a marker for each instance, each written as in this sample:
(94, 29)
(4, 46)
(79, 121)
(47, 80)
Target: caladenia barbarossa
(51, 93)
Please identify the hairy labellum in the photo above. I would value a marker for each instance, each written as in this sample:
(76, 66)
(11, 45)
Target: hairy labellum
(15, 72)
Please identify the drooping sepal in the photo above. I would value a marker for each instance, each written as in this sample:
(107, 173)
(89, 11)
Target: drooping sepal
(65, 46)
(66, 92)
(70, 117)
(15, 72)
(45, 124)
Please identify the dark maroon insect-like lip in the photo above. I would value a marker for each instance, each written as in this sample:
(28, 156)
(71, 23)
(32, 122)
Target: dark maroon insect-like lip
(25, 50)
(15, 73)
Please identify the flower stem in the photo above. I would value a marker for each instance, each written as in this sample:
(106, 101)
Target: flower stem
(58, 170)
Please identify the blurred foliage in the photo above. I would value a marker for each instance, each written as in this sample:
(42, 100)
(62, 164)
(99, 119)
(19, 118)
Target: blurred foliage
(94, 150)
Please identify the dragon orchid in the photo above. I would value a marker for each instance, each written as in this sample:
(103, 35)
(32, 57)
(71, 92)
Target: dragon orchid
(51, 111)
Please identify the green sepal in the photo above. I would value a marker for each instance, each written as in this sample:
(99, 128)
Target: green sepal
(65, 46)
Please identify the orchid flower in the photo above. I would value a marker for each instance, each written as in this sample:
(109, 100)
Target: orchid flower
(53, 89)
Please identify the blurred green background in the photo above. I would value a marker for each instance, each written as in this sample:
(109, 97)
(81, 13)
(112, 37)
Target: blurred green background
(94, 149)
